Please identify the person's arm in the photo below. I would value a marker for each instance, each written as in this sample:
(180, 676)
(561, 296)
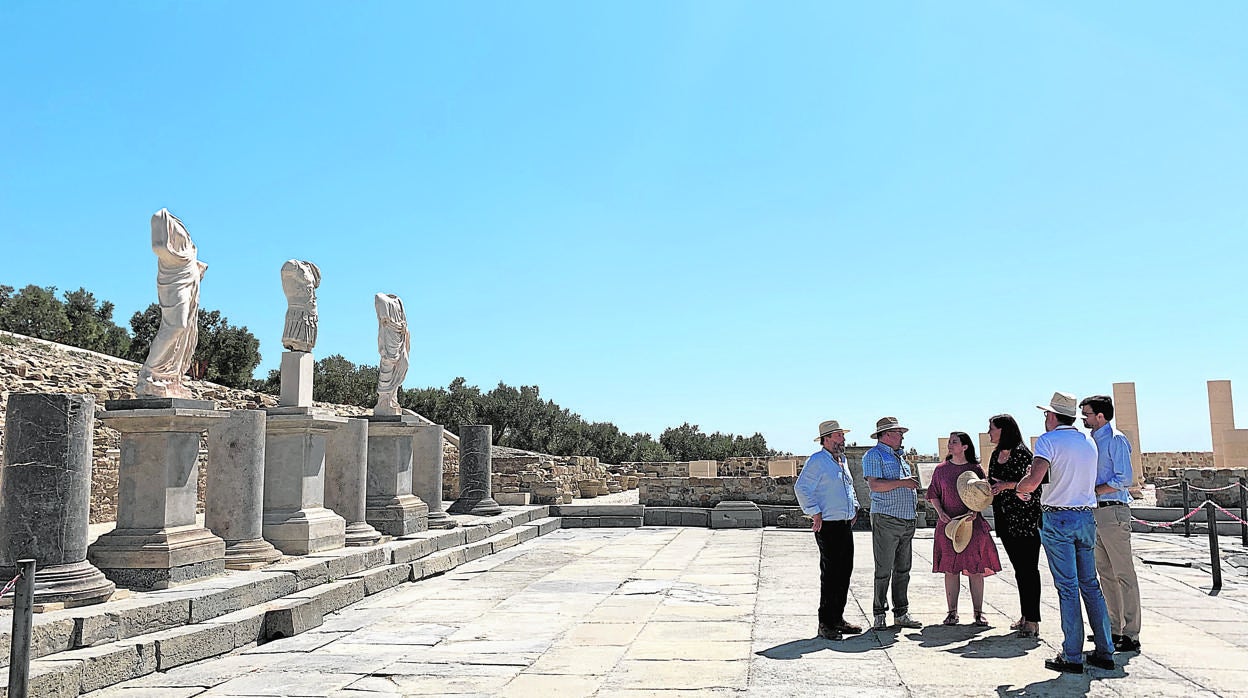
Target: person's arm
(1035, 475)
(805, 487)
(879, 484)
(1120, 459)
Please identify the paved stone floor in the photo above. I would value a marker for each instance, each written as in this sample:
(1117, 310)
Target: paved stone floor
(692, 612)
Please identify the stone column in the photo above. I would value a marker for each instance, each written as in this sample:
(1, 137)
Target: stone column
(295, 518)
(475, 470)
(346, 461)
(942, 447)
(427, 473)
(1221, 417)
(391, 507)
(45, 497)
(984, 450)
(234, 500)
(157, 542)
(296, 375)
(1127, 419)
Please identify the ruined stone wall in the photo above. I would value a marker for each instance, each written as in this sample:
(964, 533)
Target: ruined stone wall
(35, 366)
(709, 491)
(1158, 464)
(548, 479)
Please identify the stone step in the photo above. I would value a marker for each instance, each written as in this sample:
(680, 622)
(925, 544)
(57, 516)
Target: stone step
(82, 649)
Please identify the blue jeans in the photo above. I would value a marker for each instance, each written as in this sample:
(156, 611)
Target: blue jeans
(1069, 539)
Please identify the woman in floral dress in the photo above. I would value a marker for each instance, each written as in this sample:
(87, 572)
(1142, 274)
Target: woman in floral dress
(1018, 520)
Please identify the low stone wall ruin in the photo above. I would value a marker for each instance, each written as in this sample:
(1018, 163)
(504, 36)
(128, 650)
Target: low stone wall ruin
(1160, 463)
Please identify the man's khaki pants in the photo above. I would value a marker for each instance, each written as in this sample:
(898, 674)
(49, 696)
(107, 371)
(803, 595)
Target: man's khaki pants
(1116, 568)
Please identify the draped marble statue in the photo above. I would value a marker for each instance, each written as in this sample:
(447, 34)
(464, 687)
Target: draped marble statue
(393, 343)
(299, 282)
(177, 289)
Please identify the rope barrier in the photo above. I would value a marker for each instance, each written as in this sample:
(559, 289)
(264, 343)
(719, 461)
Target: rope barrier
(1167, 524)
(12, 583)
(1231, 486)
(1166, 487)
(1224, 511)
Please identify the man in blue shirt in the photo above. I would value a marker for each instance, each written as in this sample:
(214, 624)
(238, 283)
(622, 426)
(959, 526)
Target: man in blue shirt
(825, 491)
(893, 501)
(1115, 564)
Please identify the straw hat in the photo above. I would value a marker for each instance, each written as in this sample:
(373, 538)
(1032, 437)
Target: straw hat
(959, 531)
(830, 427)
(1063, 404)
(887, 424)
(976, 494)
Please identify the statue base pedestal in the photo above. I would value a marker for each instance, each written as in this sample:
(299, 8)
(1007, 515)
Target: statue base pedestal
(477, 507)
(295, 519)
(158, 559)
(250, 554)
(440, 519)
(360, 534)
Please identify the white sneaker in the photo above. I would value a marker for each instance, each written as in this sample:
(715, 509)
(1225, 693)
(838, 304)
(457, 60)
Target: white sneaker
(881, 622)
(905, 621)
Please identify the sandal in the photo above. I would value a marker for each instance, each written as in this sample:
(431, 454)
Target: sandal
(1029, 629)
(979, 620)
(1018, 624)
(952, 618)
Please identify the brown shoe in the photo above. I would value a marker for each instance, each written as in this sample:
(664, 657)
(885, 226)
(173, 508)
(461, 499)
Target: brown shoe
(848, 628)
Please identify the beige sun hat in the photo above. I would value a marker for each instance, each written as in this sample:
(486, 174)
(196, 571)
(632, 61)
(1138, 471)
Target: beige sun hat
(887, 424)
(959, 530)
(976, 493)
(1063, 404)
(831, 426)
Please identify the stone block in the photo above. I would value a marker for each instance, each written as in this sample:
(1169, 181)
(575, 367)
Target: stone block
(333, 596)
(437, 563)
(94, 628)
(140, 616)
(655, 516)
(290, 617)
(296, 373)
(503, 541)
(496, 526)
(736, 515)
(348, 561)
(49, 678)
(473, 534)
(452, 538)
(191, 644)
(474, 551)
(597, 510)
(251, 590)
(513, 499)
(546, 525)
(409, 550)
(112, 663)
(383, 578)
(247, 624)
(526, 533)
(703, 468)
(701, 519)
(784, 467)
(579, 522)
(308, 571)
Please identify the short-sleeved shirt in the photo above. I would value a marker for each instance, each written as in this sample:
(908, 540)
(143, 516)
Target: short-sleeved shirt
(1072, 467)
(825, 487)
(885, 463)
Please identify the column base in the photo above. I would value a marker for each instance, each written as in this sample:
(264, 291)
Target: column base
(398, 515)
(72, 584)
(360, 534)
(145, 559)
(477, 507)
(305, 531)
(440, 520)
(250, 554)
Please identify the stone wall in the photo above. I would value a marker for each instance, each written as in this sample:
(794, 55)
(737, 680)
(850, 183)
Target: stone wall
(549, 479)
(1218, 484)
(709, 491)
(35, 366)
(1158, 464)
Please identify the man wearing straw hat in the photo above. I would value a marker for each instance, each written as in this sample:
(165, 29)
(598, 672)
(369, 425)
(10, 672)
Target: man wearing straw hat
(1068, 532)
(1114, 561)
(825, 491)
(893, 502)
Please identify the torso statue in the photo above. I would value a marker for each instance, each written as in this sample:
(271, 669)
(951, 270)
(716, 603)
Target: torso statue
(393, 344)
(299, 282)
(177, 288)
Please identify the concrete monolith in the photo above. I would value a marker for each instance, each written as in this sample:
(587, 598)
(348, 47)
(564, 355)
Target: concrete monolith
(295, 518)
(234, 500)
(475, 470)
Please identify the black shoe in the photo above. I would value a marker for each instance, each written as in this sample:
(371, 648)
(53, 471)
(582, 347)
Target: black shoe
(1101, 661)
(848, 628)
(1059, 664)
(1126, 644)
(828, 633)
(1113, 639)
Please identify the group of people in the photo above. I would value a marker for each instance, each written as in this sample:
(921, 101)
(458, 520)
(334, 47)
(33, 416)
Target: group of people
(1070, 497)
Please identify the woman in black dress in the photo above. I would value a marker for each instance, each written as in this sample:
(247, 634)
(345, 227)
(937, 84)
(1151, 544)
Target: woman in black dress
(1017, 520)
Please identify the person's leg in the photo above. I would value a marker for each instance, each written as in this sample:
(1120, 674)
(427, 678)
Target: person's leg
(976, 583)
(1059, 546)
(901, 567)
(1028, 577)
(842, 536)
(1084, 540)
(952, 584)
(1118, 547)
(827, 563)
(883, 545)
(1105, 523)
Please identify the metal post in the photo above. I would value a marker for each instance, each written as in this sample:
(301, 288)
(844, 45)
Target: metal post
(23, 619)
(1187, 508)
(1243, 511)
(1215, 559)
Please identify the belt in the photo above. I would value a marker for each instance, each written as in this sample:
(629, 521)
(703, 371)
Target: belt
(1049, 508)
(1111, 504)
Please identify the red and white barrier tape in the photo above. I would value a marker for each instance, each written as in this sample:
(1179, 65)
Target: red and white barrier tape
(1167, 524)
(1224, 511)
(12, 583)
(1231, 486)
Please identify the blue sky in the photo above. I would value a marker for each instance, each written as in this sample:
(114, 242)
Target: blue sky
(748, 216)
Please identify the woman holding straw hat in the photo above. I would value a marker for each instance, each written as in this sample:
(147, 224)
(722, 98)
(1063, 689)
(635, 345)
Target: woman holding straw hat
(963, 544)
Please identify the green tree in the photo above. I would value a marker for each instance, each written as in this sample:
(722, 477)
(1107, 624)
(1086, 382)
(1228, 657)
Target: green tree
(92, 327)
(225, 354)
(34, 312)
(337, 380)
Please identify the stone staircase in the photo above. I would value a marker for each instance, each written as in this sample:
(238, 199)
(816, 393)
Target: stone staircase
(84, 649)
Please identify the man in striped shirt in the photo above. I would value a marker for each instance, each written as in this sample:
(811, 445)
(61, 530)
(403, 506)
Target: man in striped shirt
(893, 502)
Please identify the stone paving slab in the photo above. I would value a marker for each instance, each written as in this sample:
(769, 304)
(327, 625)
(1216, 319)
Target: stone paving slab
(581, 613)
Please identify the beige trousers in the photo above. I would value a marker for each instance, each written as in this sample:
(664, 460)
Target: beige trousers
(1116, 568)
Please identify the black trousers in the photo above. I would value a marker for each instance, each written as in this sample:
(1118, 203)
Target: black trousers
(1024, 552)
(836, 562)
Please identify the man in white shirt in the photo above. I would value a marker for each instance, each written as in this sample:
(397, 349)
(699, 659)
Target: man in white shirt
(1068, 532)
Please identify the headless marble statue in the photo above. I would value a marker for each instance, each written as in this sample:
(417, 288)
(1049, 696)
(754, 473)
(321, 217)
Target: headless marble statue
(299, 282)
(393, 343)
(177, 289)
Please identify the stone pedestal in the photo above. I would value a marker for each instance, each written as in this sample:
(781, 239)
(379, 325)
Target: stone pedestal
(390, 505)
(1221, 417)
(296, 375)
(157, 542)
(346, 463)
(736, 515)
(295, 518)
(427, 473)
(45, 497)
(234, 500)
(475, 470)
(703, 468)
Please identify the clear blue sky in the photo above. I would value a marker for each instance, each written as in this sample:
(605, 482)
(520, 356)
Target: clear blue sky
(748, 216)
